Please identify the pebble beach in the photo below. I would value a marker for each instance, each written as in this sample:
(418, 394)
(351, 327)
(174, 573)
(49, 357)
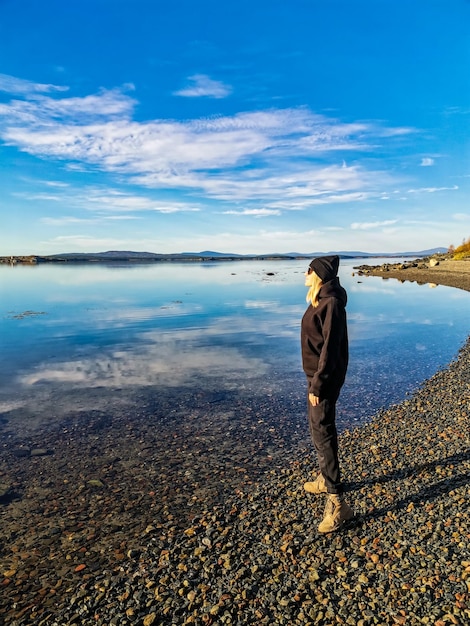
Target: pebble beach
(110, 522)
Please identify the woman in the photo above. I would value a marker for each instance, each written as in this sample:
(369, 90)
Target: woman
(325, 352)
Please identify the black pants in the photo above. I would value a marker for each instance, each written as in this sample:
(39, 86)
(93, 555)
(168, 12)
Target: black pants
(322, 425)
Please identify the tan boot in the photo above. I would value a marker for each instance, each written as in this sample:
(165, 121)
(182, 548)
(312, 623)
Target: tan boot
(336, 512)
(317, 486)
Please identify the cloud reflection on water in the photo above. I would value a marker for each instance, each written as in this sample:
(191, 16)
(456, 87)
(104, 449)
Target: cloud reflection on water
(164, 359)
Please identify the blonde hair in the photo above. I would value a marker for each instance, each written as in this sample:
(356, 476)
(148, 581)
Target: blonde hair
(312, 293)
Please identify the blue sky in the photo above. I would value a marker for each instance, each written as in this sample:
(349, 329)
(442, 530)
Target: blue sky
(249, 127)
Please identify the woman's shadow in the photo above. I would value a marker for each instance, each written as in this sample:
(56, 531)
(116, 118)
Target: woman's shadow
(429, 493)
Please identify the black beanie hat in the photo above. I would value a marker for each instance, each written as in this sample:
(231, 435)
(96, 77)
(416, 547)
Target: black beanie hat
(325, 267)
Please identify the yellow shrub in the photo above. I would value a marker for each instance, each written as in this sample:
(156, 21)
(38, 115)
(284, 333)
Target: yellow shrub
(463, 251)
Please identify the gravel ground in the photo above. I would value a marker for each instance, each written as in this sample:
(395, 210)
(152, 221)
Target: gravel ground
(108, 530)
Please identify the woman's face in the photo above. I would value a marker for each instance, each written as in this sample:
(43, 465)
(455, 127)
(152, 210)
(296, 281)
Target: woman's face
(310, 278)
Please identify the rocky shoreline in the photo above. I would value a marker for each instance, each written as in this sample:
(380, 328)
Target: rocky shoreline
(432, 270)
(98, 527)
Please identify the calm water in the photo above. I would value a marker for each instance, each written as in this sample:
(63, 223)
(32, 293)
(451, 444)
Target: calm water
(128, 339)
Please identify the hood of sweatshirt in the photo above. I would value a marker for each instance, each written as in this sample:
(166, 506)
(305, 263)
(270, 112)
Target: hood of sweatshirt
(333, 289)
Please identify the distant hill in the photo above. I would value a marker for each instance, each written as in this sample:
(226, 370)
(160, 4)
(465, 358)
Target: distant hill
(111, 254)
(206, 255)
(212, 253)
(355, 253)
(125, 254)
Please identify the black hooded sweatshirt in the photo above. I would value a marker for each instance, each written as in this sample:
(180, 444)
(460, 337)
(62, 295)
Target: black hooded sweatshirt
(324, 341)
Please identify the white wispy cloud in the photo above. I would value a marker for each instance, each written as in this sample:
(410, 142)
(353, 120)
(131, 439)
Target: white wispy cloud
(106, 200)
(37, 196)
(433, 189)
(74, 221)
(55, 183)
(13, 85)
(254, 212)
(277, 155)
(66, 221)
(461, 217)
(307, 185)
(66, 118)
(201, 85)
(372, 225)
(115, 200)
(427, 162)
